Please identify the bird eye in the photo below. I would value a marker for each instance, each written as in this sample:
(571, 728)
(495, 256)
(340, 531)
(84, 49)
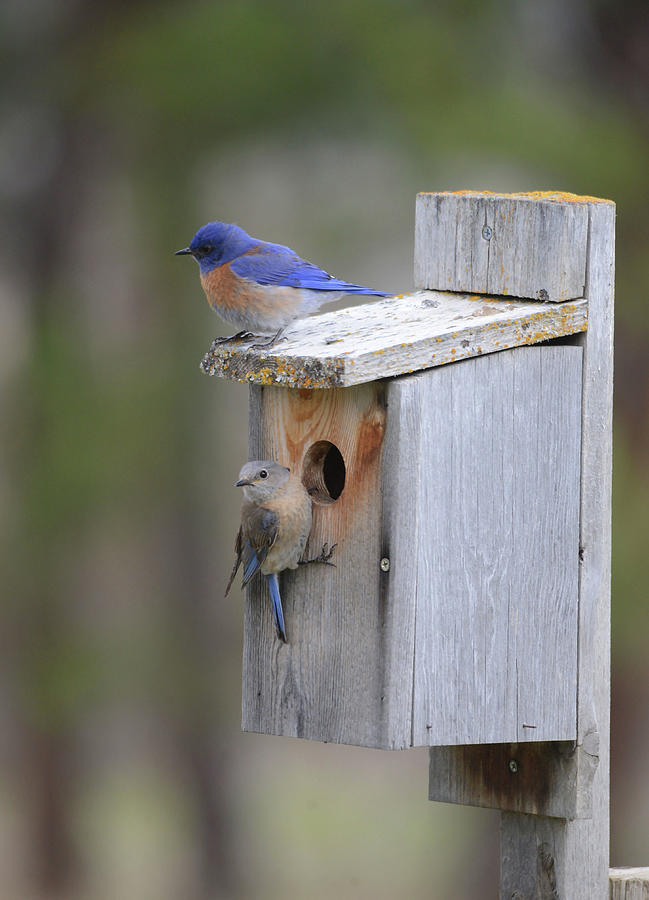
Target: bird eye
(263, 474)
(205, 249)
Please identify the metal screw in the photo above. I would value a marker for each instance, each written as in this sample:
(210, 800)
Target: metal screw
(385, 564)
(513, 766)
(486, 232)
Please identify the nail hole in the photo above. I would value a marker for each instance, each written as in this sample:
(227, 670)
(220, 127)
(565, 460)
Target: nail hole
(323, 472)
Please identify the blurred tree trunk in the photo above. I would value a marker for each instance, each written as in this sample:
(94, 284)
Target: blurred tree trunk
(43, 618)
(43, 232)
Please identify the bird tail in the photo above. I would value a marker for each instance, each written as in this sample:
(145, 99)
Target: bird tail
(347, 288)
(331, 285)
(273, 587)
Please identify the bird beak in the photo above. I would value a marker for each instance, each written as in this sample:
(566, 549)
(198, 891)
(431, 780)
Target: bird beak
(184, 252)
(241, 483)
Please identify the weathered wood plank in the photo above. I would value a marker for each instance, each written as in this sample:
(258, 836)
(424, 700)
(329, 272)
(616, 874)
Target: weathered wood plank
(542, 779)
(629, 884)
(329, 682)
(496, 616)
(400, 488)
(323, 684)
(395, 336)
(518, 245)
(581, 847)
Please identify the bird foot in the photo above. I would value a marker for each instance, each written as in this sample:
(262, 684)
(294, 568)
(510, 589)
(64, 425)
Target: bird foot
(325, 555)
(239, 336)
(264, 345)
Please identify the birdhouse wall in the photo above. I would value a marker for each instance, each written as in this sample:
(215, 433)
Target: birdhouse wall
(464, 481)
(498, 550)
(326, 683)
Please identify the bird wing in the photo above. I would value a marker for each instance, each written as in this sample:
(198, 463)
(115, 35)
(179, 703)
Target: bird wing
(257, 534)
(261, 526)
(237, 562)
(274, 264)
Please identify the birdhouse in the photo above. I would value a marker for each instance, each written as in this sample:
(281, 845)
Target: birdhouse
(440, 436)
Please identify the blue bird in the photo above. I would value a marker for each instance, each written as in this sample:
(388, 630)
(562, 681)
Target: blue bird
(260, 287)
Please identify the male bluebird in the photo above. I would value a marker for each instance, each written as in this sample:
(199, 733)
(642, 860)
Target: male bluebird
(275, 526)
(258, 286)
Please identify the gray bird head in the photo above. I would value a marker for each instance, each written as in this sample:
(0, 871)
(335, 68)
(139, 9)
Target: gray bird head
(261, 478)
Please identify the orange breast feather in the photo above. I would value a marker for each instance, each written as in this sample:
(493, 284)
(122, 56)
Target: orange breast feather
(232, 296)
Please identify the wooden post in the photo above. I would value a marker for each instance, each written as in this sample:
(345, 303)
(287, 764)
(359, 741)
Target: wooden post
(473, 241)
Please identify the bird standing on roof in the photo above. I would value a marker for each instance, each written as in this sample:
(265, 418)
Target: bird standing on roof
(260, 287)
(275, 526)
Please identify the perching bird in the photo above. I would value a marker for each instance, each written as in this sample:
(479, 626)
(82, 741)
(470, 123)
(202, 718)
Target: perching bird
(260, 287)
(275, 526)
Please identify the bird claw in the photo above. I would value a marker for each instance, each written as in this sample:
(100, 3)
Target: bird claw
(275, 339)
(239, 336)
(324, 557)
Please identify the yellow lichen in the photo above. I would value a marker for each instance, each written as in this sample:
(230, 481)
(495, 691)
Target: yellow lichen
(554, 196)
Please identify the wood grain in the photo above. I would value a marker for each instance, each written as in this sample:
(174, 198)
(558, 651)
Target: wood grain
(395, 336)
(517, 245)
(496, 626)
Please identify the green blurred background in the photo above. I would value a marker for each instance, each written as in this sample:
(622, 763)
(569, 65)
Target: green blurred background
(125, 126)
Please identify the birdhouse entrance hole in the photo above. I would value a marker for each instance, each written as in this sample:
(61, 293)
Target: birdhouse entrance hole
(323, 472)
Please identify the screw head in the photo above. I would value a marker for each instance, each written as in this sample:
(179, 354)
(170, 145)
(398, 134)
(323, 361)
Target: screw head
(513, 766)
(487, 232)
(385, 564)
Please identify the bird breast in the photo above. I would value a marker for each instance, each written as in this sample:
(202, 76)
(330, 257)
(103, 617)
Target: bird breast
(293, 506)
(256, 307)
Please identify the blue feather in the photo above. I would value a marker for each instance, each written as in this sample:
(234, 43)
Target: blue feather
(278, 265)
(273, 587)
(251, 562)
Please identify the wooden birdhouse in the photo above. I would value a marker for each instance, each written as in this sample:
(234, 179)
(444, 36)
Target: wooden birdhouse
(457, 445)
(441, 436)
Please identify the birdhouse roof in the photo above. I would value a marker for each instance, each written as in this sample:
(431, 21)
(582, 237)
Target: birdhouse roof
(395, 336)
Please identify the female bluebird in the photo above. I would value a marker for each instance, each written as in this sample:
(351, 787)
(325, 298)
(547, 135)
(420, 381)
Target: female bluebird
(258, 286)
(275, 526)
